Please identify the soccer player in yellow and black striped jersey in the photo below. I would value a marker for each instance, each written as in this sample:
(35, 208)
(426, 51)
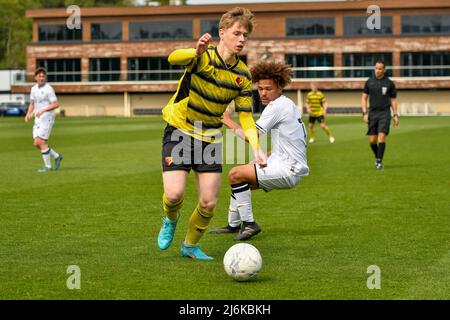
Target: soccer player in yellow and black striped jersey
(213, 78)
(316, 105)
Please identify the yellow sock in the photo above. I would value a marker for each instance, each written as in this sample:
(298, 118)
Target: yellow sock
(171, 210)
(327, 131)
(311, 132)
(198, 223)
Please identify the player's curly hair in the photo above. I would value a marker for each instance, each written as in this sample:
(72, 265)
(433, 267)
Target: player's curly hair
(243, 15)
(278, 71)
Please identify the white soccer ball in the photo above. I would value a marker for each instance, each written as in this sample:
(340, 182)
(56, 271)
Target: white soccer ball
(242, 262)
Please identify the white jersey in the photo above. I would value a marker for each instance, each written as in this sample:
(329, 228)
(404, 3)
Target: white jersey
(42, 97)
(282, 120)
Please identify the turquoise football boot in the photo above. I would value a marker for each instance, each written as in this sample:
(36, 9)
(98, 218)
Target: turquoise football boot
(194, 252)
(165, 236)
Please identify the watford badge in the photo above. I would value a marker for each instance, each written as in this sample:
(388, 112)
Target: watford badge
(238, 80)
(168, 161)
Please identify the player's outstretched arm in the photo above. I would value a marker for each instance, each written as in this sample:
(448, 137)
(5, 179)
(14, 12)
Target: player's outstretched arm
(235, 127)
(394, 110)
(29, 111)
(182, 57)
(249, 127)
(364, 107)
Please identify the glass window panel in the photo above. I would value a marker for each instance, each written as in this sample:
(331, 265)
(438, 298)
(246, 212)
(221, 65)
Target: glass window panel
(106, 31)
(357, 25)
(418, 59)
(58, 32)
(365, 60)
(311, 60)
(153, 68)
(61, 70)
(161, 30)
(311, 26)
(426, 24)
(104, 69)
(211, 27)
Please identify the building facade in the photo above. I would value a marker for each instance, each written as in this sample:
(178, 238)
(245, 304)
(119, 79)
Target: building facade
(116, 62)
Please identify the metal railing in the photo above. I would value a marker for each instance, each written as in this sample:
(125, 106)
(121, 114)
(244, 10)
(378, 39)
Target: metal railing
(299, 73)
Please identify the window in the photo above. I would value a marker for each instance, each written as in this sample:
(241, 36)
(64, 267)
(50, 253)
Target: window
(160, 30)
(210, 26)
(58, 32)
(419, 60)
(61, 70)
(367, 61)
(309, 27)
(356, 26)
(152, 69)
(106, 31)
(104, 69)
(311, 60)
(426, 24)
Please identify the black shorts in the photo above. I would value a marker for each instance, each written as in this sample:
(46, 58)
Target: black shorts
(379, 122)
(182, 152)
(313, 119)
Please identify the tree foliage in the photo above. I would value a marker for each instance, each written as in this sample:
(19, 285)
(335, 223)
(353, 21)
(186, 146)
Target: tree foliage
(16, 28)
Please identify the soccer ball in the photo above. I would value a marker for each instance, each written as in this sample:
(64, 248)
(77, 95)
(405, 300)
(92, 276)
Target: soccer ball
(242, 262)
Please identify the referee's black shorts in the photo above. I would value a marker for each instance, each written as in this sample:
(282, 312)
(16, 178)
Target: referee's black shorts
(379, 122)
(183, 152)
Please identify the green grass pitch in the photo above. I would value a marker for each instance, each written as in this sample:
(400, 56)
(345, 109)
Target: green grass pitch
(102, 212)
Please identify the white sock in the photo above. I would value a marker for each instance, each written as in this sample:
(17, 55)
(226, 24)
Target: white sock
(53, 153)
(46, 157)
(234, 219)
(243, 196)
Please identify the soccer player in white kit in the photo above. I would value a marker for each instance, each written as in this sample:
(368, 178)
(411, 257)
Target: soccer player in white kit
(43, 101)
(286, 165)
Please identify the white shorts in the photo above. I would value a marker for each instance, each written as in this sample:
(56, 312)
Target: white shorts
(42, 129)
(279, 174)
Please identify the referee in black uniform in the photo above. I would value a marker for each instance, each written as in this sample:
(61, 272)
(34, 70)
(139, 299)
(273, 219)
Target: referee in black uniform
(383, 95)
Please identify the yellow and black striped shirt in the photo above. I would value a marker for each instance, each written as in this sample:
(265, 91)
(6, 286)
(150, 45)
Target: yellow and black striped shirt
(206, 88)
(316, 101)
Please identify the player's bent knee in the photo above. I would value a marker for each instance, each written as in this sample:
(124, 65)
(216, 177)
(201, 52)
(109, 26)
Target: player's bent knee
(174, 197)
(37, 143)
(208, 206)
(234, 176)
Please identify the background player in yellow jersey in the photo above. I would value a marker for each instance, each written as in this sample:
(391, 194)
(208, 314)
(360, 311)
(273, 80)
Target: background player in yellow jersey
(316, 106)
(213, 77)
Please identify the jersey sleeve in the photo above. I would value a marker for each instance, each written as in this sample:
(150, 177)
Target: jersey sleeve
(322, 98)
(187, 58)
(51, 95)
(269, 118)
(244, 100)
(393, 90)
(32, 97)
(366, 87)
(182, 57)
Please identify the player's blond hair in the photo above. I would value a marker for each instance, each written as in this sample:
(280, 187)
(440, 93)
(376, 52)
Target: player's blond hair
(278, 71)
(244, 16)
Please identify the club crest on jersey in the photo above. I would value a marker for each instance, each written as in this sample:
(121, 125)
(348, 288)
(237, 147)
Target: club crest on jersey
(168, 160)
(238, 80)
